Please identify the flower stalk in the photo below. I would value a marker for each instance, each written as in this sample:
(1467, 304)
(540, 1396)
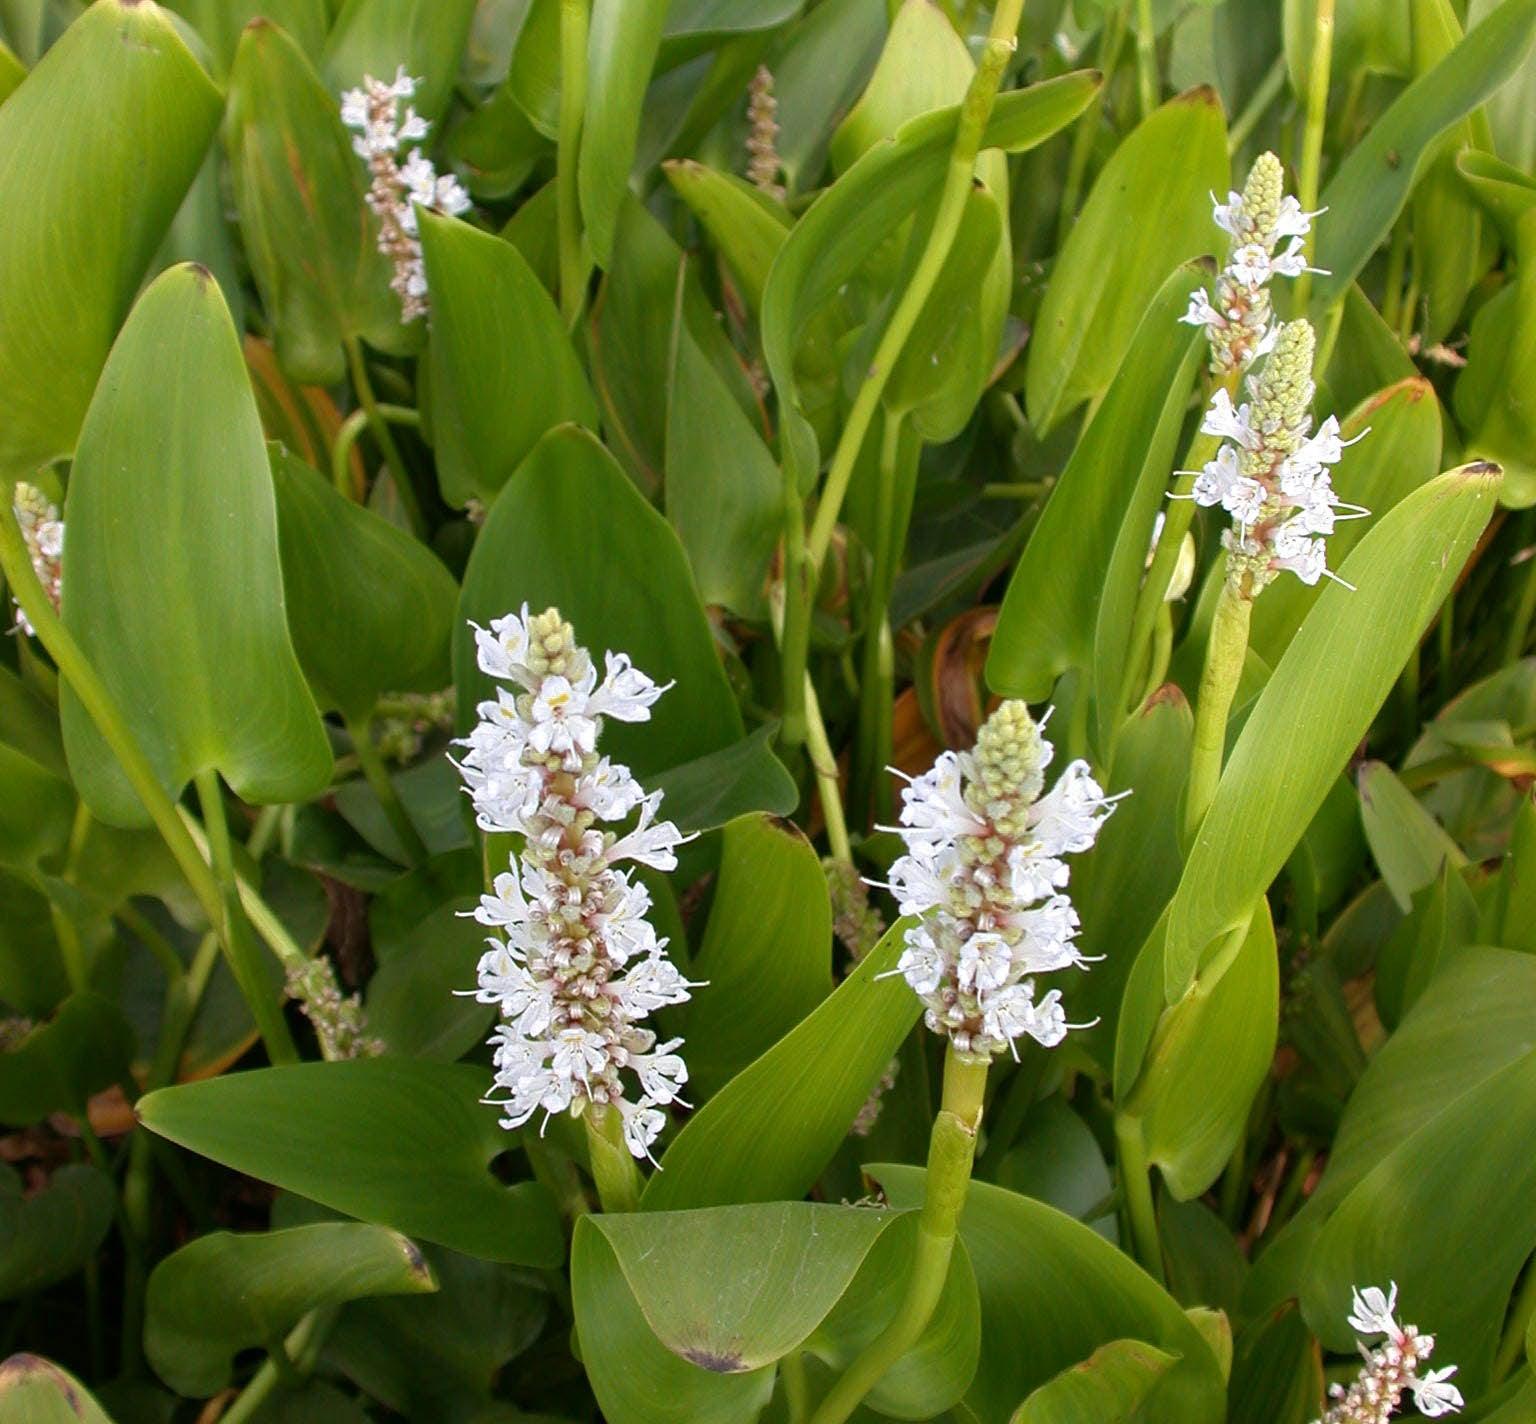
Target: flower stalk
(1319, 65)
(575, 21)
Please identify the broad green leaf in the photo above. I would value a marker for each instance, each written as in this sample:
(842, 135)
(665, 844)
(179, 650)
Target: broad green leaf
(1108, 268)
(1369, 34)
(174, 587)
(533, 76)
(496, 147)
(299, 191)
(1277, 1371)
(1116, 479)
(1408, 844)
(1108, 1387)
(30, 723)
(425, 37)
(86, 206)
(1056, 1159)
(37, 808)
(32, 976)
(621, 51)
(1367, 357)
(1505, 193)
(1318, 704)
(571, 530)
(767, 949)
(433, 796)
(1514, 910)
(50, 1234)
(789, 1264)
(1204, 1265)
(1372, 184)
(1442, 921)
(492, 399)
(723, 492)
(220, 23)
(769, 1133)
(36, 1391)
(398, 1142)
(746, 225)
(703, 795)
(894, 179)
(1510, 111)
(412, 1003)
(264, 1282)
(636, 1379)
(58, 1065)
(371, 609)
(1058, 1285)
(1209, 1056)
(714, 19)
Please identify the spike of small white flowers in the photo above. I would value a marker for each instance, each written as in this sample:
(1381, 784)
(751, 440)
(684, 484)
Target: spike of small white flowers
(576, 965)
(42, 531)
(397, 188)
(1391, 1367)
(984, 850)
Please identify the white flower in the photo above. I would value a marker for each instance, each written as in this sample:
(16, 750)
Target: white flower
(1433, 1396)
(626, 693)
(652, 845)
(933, 808)
(1371, 1311)
(1391, 1368)
(1229, 423)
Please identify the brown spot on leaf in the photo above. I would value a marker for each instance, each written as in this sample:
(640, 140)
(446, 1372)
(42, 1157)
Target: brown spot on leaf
(1170, 694)
(717, 1363)
(20, 1368)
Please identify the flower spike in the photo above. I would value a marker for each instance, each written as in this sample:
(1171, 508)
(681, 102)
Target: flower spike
(1391, 1368)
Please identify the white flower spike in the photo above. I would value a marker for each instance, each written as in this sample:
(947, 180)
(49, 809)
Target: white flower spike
(42, 531)
(1391, 1367)
(575, 965)
(984, 848)
(399, 188)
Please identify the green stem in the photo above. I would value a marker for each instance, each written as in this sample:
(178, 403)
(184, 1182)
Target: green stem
(1224, 658)
(951, 1151)
(264, 919)
(795, 620)
(1018, 489)
(574, 21)
(1136, 1194)
(1146, 57)
(796, 1389)
(346, 438)
(824, 763)
(558, 1174)
(269, 821)
(1318, 66)
(382, 436)
(1520, 624)
(293, 1359)
(1162, 651)
(152, 940)
(877, 676)
(1290, 1193)
(1264, 95)
(1512, 1343)
(244, 959)
(613, 1168)
(377, 774)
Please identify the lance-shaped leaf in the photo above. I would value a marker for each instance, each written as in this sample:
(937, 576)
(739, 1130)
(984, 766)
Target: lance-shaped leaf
(220, 23)
(1319, 703)
(299, 190)
(173, 586)
(1108, 268)
(398, 1142)
(371, 609)
(36, 1391)
(492, 398)
(1108, 1387)
(86, 204)
(621, 51)
(376, 37)
(571, 530)
(771, 1130)
(264, 1283)
(1115, 480)
(745, 224)
(1372, 184)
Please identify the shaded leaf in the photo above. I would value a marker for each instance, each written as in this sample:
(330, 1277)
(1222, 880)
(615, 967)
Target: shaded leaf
(1108, 1387)
(51, 1234)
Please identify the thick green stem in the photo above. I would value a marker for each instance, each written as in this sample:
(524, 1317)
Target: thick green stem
(1224, 657)
(383, 786)
(951, 1151)
(575, 18)
(382, 435)
(824, 763)
(1136, 1194)
(613, 1168)
(1318, 66)
(346, 438)
(289, 1361)
(796, 1388)
(1146, 57)
(876, 680)
(795, 618)
(244, 958)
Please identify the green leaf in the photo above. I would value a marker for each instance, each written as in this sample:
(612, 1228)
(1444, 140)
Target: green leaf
(1108, 1387)
(411, 1001)
(1372, 184)
(1064, 1289)
(767, 949)
(221, 22)
(1052, 617)
(493, 399)
(636, 1379)
(1205, 1266)
(49, 1235)
(86, 207)
(32, 976)
(1056, 1159)
(621, 52)
(571, 530)
(1318, 704)
(1109, 269)
(299, 192)
(376, 37)
(1277, 1371)
(263, 1282)
(723, 492)
(174, 588)
(1443, 920)
(1506, 193)
(12, 72)
(56, 1067)
(36, 1391)
(1408, 844)
(398, 1142)
(746, 776)
(371, 609)
(769, 1133)
(37, 808)
(745, 224)
(1367, 357)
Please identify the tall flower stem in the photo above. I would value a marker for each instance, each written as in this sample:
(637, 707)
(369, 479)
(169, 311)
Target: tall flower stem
(613, 1168)
(951, 1151)
(575, 19)
(383, 787)
(382, 435)
(1318, 66)
(1136, 1193)
(794, 625)
(1224, 658)
(1146, 57)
